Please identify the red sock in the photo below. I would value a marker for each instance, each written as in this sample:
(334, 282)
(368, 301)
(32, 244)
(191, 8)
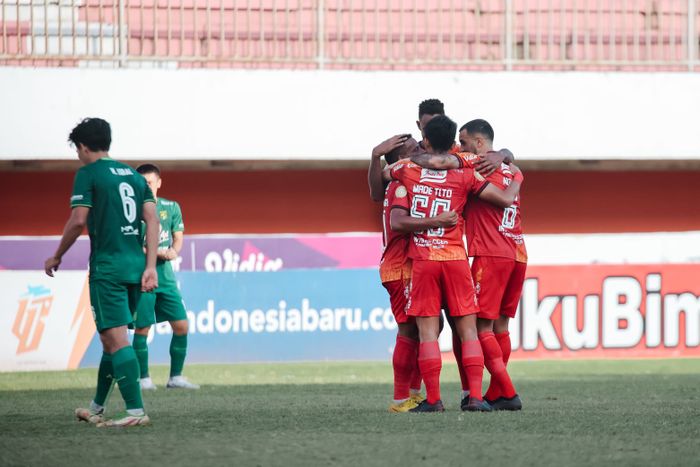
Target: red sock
(503, 339)
(473, 363)
(430, 363)
(457, 350)
(493, 359)
(404, 361)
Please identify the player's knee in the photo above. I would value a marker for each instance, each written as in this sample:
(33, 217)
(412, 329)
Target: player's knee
(408, 330)
(501, 324)
(484, 325)
(180, 327)
(114, 339)
(142, 331)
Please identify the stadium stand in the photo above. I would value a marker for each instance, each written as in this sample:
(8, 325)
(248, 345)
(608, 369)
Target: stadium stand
(339, 34)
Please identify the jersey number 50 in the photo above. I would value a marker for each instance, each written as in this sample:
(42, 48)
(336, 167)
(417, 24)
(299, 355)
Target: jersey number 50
(420, 204)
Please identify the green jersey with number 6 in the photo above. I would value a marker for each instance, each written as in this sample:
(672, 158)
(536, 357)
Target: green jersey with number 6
(115, 194)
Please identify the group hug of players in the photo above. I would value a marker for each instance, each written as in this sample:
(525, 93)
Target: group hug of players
(435, 195)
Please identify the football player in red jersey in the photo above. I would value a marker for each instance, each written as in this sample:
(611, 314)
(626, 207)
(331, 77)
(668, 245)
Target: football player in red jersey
(441, 272)
(395, 270)
(486, 164)
(495, 240)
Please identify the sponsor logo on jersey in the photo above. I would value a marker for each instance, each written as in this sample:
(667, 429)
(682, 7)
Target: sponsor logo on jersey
(34, 307)
(121, 171)
(163, 215)
(164, 236)
(433, 176)
(129, 230)
(76, 197)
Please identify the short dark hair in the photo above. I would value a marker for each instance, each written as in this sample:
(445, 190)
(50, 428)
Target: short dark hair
(93, 133)
(144, 169)
(393, 155)
(441, 131)
(431, 107)
(479, 126)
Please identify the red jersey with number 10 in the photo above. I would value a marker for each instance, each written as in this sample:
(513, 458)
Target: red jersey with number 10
(395, 263)
(432, 192)
(494, 231)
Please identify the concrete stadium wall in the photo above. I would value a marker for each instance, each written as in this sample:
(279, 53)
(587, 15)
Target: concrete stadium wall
(329, 115)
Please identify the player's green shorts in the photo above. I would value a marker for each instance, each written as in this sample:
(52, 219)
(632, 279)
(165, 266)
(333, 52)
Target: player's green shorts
(165, 304)
(113, 303)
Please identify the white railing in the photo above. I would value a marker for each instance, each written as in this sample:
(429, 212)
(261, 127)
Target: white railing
(343, 34)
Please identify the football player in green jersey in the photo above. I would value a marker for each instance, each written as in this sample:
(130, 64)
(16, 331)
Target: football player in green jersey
(166, 304)
(111, 199)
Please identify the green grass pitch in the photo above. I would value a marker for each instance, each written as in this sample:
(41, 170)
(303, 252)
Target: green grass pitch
(639, 412)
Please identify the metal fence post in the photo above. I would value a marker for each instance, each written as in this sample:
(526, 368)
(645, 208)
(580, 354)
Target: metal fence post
(509, 34)
(320, 34)
(692, 35)
(122, 34)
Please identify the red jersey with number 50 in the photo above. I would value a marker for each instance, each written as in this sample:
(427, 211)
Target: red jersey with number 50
(432, 192)
(395, 264)
(494, 231)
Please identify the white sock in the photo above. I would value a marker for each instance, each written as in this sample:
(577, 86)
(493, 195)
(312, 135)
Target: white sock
(399, 401)
(415, 391)
(95, 408)
(465, 394)
(135, 412)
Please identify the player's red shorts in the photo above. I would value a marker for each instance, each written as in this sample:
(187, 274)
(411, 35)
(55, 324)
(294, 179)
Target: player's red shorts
(434, 283)
(398, 297)
(499, 283)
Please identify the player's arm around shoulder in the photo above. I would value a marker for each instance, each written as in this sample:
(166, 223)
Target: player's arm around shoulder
(503, 198)
(437, 161)
(492, 161)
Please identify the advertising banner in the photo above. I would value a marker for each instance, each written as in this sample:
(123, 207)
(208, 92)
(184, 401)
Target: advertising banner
(45, 323)
(595, 311)
(219, 253)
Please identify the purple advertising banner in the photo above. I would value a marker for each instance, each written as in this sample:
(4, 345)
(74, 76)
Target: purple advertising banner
(219, 253)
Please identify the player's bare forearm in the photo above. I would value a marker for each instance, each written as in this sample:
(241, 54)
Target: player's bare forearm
(178, 240)
(375, 179)
(152, 234)
(492, 160)
(176, 247)
(436, 161)
(503, 198)
(72, 230)
(508, 156)
(401, 221)
(74, 227)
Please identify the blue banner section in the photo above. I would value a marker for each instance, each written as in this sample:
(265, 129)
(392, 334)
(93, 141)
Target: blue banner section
(279, 316)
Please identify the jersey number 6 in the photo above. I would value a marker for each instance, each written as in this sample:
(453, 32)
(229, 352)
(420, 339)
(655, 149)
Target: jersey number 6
(127, 194)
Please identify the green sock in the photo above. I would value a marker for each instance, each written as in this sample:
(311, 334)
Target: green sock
(178, 351)
(105, 380)
(126, 372)
(141, 349)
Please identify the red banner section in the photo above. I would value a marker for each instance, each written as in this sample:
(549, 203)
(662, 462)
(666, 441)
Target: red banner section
(609, 311)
